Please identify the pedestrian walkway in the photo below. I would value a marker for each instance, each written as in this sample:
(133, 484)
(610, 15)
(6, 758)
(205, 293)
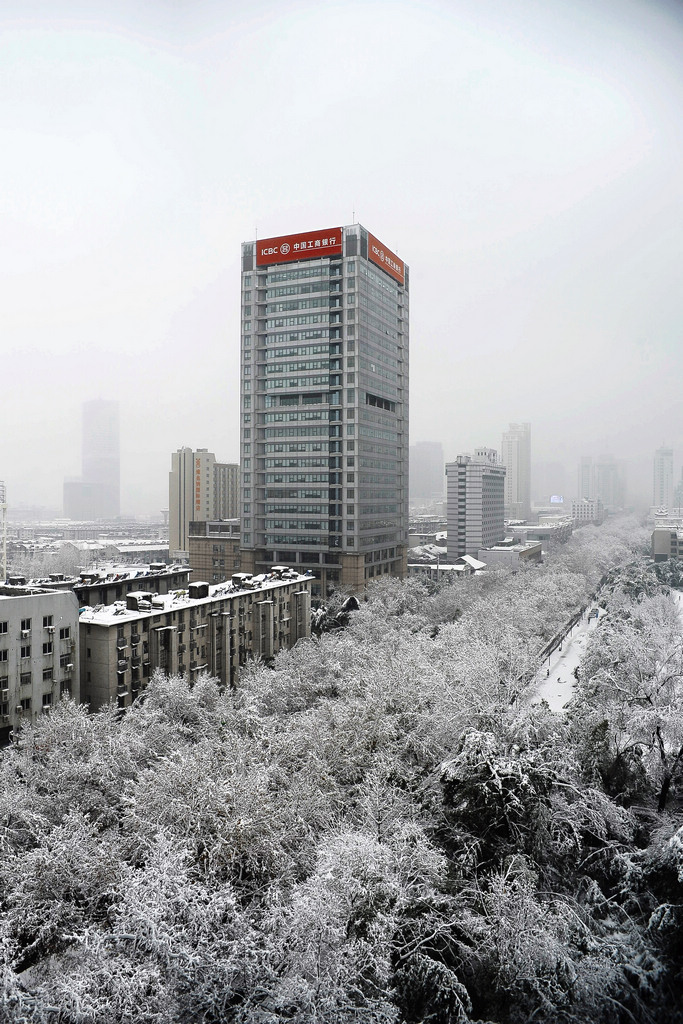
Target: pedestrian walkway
(555, 680)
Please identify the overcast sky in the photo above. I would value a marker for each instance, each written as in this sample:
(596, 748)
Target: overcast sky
(524, 157)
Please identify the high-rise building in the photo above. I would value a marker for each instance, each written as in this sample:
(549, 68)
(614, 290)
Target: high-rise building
(475, 503)
(426, 473)
(610, 482)
(324, 406)
(663, 479)
(226, 490)
(96, 494)
(516, 457)
(199, 489)
(586, 478)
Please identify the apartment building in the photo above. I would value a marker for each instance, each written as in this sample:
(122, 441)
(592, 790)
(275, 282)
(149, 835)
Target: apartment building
(38, 656)
(213, 629)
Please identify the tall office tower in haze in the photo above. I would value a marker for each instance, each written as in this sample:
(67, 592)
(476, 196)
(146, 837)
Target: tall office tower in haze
(324, 406)
(663, 479)
(516, 457)
(101, 456)
(475, 503)
(426, 472)
(586, 478)
(609, 477)
(96, 494)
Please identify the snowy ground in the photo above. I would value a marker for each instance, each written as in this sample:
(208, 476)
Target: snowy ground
(555, 681)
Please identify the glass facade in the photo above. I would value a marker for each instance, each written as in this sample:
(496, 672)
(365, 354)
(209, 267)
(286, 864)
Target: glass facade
(324, 414)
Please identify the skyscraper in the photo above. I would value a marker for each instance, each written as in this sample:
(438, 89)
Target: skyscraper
(199, 489)
(516, 457)
(324, 406)
(101, 456)
(663, 479)
(475, 502)
(96, 494)
(426, 472)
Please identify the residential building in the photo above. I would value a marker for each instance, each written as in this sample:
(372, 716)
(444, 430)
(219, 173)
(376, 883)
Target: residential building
(427, 475)
(516, 457)
(105, 584)
(324, 406)
(96, 494)
(663, 479)
(475, 503)
(214, 550)
(548, 531)
(212, 629)
(38, 660)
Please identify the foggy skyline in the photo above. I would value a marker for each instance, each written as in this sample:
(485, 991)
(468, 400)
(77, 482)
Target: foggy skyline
(524, 159)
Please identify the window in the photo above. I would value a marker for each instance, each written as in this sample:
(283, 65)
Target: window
(3, 627)
(26, 651)
(65, 632)
(25, 678)
(4, 655)
(26, 704)
(47, 700)
(47, 647)
(25, 625)
(47, 675)
(47, 621)
(64, 660)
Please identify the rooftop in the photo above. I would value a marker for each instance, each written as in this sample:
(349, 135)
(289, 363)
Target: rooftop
(155, 604)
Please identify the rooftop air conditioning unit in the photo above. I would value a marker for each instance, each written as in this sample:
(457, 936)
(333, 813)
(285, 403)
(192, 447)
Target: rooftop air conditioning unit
(18, 709)
(50, 629)
(25, 633)
(69, 667)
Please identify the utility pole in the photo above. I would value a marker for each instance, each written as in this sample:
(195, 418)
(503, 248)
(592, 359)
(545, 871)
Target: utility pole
(3, 513)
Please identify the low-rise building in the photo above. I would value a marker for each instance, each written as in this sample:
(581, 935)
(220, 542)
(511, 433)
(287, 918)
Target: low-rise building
(547, 531)
(203, 628)
(512, 553)
(214, 548)
(667, 542)
(38, 656)
(588, 510)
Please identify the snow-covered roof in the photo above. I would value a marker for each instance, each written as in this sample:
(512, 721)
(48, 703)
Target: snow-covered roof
(107, 615)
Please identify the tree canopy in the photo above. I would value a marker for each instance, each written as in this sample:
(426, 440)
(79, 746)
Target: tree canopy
(376, 828)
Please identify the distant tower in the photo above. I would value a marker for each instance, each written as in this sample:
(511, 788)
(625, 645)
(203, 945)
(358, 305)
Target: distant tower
(475, 503)
(3, 526)
(516, 457)
(586, 478)
(96, 494)
(663, 479)
(426, 472)
(101, 457)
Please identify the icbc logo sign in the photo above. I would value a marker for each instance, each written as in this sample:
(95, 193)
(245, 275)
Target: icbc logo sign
(386, 259)
(287, 248)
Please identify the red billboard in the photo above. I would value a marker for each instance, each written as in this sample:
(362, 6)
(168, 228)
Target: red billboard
(386, 259)
(287, 248)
